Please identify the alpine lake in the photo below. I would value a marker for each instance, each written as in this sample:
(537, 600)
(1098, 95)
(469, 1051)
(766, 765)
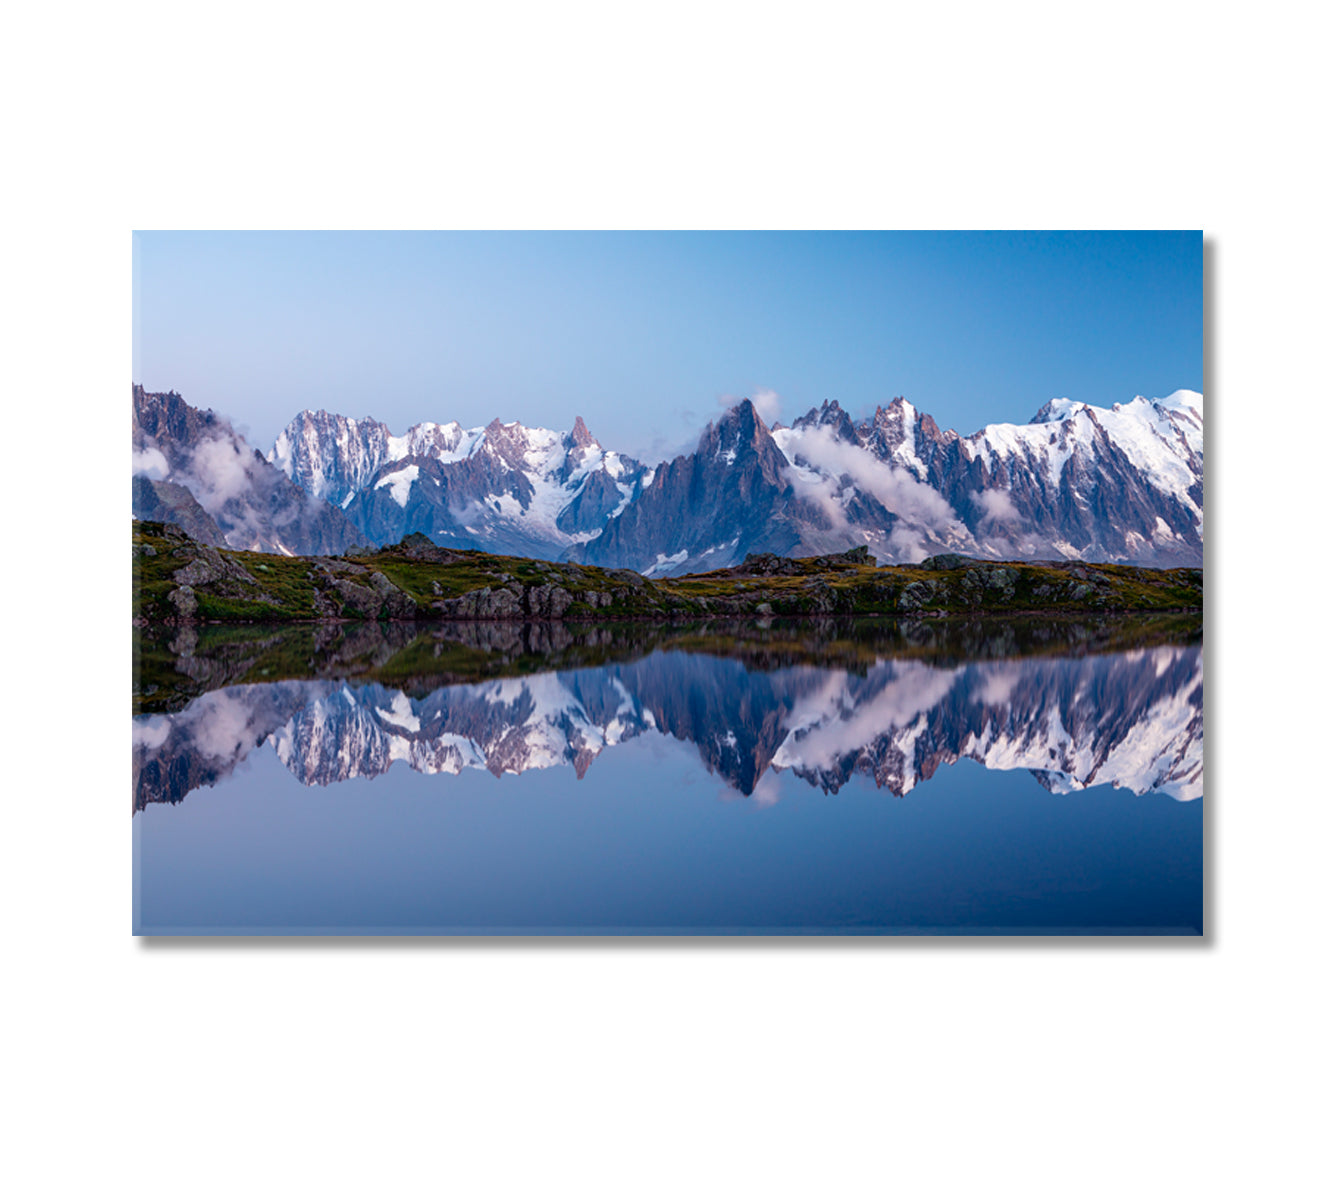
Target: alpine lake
(841, 776)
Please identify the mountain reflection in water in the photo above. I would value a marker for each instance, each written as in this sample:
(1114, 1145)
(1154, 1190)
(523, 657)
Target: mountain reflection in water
(548, 778)
(1130, 718)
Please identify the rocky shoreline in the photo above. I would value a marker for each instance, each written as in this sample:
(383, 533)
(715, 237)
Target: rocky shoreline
(180, 581)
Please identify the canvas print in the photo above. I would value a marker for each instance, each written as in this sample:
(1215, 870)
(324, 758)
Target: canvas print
(668, 583)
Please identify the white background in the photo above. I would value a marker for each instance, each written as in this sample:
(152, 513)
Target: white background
(832, 1069)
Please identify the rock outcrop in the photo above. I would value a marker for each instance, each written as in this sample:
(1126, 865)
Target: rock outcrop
(178, 579)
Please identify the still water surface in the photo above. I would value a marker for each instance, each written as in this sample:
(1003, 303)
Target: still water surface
(771, 781)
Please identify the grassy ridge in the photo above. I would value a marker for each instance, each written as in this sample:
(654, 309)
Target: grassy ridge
(179, 581)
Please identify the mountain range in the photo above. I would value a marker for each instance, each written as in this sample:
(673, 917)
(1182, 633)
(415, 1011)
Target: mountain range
(1133, 720)
(193, 469)
(1119, 484)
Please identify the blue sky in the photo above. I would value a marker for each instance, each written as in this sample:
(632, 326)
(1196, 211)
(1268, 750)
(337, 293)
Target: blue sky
(647, 335)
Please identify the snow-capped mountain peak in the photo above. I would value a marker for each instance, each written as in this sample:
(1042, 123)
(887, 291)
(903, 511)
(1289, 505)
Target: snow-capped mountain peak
(1124, 483)
(1058, 409)
(505, 487)
(1078, 480)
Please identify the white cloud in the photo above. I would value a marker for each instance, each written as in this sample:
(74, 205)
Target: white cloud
(767, 403)
(150, 734)
(995, 683)
(996, 506)
(223, 727)
(222, 475)
(152, 462)
(221, 471)
(821, 490)
(768, 790)
(901, 492)
(907, 544)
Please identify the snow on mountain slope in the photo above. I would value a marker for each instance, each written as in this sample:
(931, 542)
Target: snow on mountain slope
(1164, 439)
(502, 487)
(330, 456)
(1124, 483)
(1118, 484)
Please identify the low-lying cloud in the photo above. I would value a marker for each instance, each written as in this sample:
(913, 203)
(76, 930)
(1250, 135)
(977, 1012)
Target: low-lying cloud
(220, 471)
(995, 683)
(149, 734)
(998, 508)
(768, 403)
(150, 461)
(825, 469)
(224, 727)
(895, 487)
(236, 489)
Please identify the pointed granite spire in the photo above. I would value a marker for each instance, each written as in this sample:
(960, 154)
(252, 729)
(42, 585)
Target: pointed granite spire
(579, 435)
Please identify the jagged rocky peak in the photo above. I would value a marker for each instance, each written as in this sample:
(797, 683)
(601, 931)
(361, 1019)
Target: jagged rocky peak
(507, 441)
(579, 435)
(166, 416)
(737, 431)
(747, 450)
(204, 474)
(584, 452)
(895, 420)
(147, 403)
(522, 447)
(710, 508)
(830, 415)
